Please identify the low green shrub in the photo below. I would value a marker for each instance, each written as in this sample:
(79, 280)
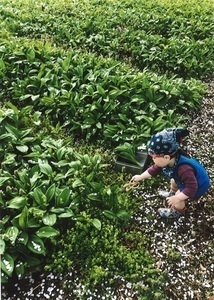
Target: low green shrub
(44, 181)
(101, 262)
(176, 39)
(93, 98)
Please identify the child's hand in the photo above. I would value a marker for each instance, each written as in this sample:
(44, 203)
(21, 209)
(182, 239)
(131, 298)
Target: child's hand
(136, 178)
(172, 201)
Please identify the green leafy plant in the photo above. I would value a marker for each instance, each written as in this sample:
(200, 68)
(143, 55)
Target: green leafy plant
(128, 152)
(48, 184)
(109, 263)
(113, 102)
(161, 37)
(105, 73)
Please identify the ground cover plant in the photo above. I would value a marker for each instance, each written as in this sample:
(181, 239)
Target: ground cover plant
(79, 80)
(93, 97)
(50, 189)
(164, 37)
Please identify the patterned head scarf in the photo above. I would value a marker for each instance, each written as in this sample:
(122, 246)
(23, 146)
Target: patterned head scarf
(167, 141)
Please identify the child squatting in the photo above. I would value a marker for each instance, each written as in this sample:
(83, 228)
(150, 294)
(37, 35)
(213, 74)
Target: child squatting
(188, 178)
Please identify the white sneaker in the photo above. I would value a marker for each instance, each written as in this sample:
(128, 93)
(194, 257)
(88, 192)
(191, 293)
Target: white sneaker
(166, 194)
(167, 213)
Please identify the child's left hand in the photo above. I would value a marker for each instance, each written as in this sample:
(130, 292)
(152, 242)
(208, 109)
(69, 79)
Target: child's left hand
(172, 200)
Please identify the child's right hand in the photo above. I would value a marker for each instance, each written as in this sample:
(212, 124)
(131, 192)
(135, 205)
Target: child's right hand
(136, 178)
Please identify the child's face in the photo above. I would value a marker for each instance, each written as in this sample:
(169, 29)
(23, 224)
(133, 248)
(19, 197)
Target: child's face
(161, 161)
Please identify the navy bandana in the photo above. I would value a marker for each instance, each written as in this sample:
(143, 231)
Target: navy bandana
(164, 142)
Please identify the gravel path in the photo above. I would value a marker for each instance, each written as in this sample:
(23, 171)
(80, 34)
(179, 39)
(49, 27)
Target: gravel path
(183, 248)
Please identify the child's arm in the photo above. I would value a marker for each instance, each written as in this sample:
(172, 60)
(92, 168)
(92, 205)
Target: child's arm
(142, 176)
(152, 171)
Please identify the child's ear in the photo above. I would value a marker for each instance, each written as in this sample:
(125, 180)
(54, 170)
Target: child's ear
(167, 157)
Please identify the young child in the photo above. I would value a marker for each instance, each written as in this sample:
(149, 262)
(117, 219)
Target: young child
(189, 179)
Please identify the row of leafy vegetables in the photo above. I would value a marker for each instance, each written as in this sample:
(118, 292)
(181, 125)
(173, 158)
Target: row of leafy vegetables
(79, 78)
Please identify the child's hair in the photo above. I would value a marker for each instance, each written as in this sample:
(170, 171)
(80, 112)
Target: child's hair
(180, 133)
(167, 141)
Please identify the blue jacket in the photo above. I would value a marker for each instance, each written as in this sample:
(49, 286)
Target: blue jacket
(201, 175)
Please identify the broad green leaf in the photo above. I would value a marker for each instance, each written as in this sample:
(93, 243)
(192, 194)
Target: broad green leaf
(116, 92)
(17, 202)
(14, 108)
(23, 218)
(12, 233)
(20, 269)
(50, 192)
(123, 117)
(24, 133)
(45, 168)
(9, 159)
(4, 179)
(39, 196)
(100, 90)
(80, 218)
(59, 177)
(145, 118)
(61, 152)
(97, 224)
(2, 246)
(69, 173)
(96, 159)
(66, 63)
(64, 197)
(109, 214)
(47, 232)
(49, 220)
(59, 210)
(36, 245)
(23, 149)
(5, 219)
(94, 197)
(149, 94)
(85, 159)
(13, 130)
(31, 54)
(5, 136)
(90, 89)
(90, 176)
(97, 186)
(34, 179)
(74, 165)
(33, 154)
(2, 201)
(2, 65)
(67, 214)
(87, 123)
(23, 176)
(122, 214)
(99, 125)
(77, 183)
(7, 264)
